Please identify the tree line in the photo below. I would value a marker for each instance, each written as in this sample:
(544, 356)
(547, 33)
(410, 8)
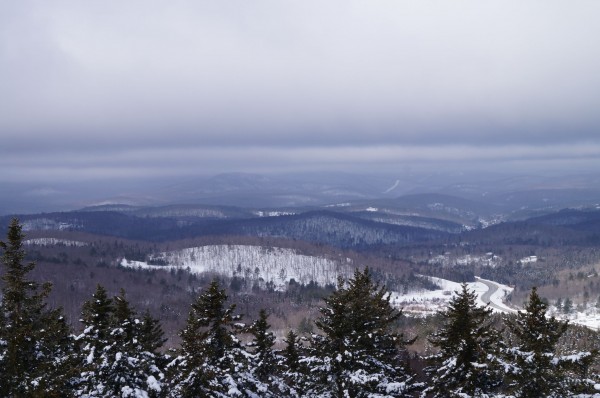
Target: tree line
(358, 350)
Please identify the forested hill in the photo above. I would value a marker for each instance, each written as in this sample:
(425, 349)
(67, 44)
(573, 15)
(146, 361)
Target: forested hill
(332, 228)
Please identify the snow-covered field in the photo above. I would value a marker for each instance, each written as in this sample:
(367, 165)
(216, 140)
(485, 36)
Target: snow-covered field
(265, 265)
(589, 317)
(427, 302)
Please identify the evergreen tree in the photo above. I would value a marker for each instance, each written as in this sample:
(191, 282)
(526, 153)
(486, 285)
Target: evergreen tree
(212, 362)
(567, 306)
(132, 371)
(537, 370)
(359, 353)
(559, 304)
(291, 352)
(114, 361)
(34, 342)
(152, 337)
(294, 373)
(265, 378)
(96, 317)
(56, 373)
(263, 341)
(467, 363)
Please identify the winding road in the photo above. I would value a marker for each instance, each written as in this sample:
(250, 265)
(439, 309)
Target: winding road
(487, 296)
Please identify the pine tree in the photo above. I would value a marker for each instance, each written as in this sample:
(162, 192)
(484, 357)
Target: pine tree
(132, 371)
(34, 341)
(265, 378)
(212, 362)
(559, 304)
(567, 306)
(537, 370)
(359, 352)
(294, 373)
(96, 317)
(120, 367)
(263, 341)
(467, 364)
(57, 372)
(114, 361)
(152, 337)
(291, 352)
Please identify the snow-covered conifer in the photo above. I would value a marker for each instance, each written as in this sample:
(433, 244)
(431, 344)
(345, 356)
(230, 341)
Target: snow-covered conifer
(212, 362)
(537, 371)
(151, 334)
(359, 352)
(35, 347)
(114, 361)
(291, 352)
(293, 372)
(265, 377)
(467, 364)
(262, 343)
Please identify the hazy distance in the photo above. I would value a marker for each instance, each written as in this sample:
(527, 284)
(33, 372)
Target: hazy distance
(104, 100)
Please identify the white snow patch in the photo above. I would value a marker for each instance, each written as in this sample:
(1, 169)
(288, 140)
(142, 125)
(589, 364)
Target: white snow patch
(153, 384)
(588, 317)
(54, 242)
(339, 205)
(484, 260)
(273, 213)
(528, 259)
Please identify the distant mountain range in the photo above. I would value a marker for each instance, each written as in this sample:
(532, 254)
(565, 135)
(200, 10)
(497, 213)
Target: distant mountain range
(513, 197)
(359, 224)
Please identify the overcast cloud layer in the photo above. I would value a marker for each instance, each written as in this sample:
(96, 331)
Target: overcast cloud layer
(92, 89)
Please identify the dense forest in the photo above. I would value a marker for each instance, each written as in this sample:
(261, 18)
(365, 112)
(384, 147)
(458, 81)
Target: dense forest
(357, 348)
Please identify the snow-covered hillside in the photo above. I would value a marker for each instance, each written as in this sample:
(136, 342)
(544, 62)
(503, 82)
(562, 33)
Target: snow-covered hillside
(54, 242)
(270, 266)
(47, 224)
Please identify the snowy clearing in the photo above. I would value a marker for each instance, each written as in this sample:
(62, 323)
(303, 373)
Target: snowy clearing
(427, 302)
(588, 317)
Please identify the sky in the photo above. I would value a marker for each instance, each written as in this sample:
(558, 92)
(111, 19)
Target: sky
(130, 89)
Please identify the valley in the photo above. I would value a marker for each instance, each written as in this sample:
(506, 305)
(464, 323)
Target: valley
(290, 256)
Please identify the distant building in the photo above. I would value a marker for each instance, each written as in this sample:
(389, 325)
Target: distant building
(528, 259)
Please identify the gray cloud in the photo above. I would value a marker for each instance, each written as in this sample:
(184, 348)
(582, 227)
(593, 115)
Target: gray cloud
(128, 88)
(160, 163)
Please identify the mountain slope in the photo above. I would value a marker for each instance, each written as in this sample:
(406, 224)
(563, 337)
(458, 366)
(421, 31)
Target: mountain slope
(264, 266)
